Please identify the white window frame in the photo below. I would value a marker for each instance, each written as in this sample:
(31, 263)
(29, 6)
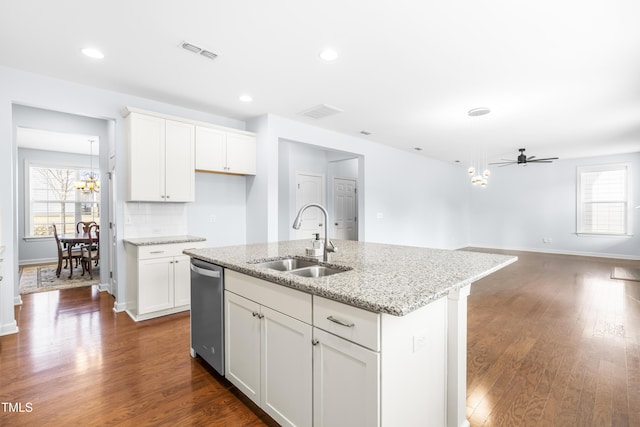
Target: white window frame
(627, 201)
(27, 191)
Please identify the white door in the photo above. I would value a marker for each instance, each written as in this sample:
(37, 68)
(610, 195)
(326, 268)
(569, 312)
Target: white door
(286, 369)
(242, 344)
(346, 383)
(345, 209)
(147, 158)
(180, 162)
(241, 154)
(155, 285)
(310, 189)
(211, 149)
(181, 280)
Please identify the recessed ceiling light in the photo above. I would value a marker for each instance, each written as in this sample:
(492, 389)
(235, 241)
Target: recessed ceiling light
(92, 53)
(328, 55)
(480, 111)
(246, 98)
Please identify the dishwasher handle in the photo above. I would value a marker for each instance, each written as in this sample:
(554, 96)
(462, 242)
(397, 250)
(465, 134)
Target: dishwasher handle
(205, 272)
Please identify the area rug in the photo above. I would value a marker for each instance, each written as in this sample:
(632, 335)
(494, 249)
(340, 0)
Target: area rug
(625, 273)
(41, 278)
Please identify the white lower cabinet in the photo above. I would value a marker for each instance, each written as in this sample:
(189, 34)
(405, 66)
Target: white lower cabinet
(268, 353)
(158, 279)
(345, 366)
(346, 382)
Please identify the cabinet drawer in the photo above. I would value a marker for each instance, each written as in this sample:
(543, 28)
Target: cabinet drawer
(166, 250)
(289, 301)
(352, 323)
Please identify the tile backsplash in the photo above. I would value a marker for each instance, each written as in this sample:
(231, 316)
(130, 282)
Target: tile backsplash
(154, 219)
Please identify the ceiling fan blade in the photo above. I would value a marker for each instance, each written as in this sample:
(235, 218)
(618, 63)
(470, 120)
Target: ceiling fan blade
(530, 158)
(547, 158)
(540, 161)
(510, 162)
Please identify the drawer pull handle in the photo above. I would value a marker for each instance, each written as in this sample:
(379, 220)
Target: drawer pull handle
(315, 342)
(156, 252)
(341, 322)
(258, 315)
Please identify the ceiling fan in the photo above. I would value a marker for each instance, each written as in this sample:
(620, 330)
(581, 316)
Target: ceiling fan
(524, 160)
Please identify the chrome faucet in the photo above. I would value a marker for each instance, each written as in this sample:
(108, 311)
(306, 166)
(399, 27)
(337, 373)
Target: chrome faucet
(298, 222)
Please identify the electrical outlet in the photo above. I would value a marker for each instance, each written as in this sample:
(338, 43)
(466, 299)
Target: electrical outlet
(379, 215)
(419, 341)
(212, 218)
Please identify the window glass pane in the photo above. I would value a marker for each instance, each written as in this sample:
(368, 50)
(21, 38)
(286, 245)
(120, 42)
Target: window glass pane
(54, 199)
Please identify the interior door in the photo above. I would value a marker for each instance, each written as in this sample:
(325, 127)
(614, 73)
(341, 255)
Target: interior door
(310, 189)
(345, 205)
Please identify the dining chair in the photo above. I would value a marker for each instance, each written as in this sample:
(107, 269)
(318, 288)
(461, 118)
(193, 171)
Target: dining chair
(63, 254)
(90, 251)
(83, 226)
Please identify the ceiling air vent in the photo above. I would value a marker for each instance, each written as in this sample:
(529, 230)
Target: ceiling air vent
(321, 111)
(197, 49)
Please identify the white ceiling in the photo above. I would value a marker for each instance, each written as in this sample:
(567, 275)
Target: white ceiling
(561, 78)
(38, 139)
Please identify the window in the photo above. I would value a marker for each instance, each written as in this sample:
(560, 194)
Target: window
(54, 199)
(603, 199)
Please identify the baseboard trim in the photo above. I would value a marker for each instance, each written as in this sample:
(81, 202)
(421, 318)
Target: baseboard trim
(37, 261)
(559, 252)
(119, 307)
(9, 328)
(17, 300)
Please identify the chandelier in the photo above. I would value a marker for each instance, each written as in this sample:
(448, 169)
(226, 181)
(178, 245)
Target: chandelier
(478, 170)
(90, 183)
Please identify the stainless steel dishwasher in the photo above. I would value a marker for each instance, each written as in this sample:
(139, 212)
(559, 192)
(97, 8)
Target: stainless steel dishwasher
(207, 313)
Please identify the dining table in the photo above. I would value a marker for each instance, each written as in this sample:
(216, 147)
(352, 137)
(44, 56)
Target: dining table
(69, 240)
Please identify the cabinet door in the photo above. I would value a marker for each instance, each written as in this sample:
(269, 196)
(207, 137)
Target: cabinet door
(181, 281)
(179, 162)
(146, 144)
(346, 383)
(155, 285)
(242, 344)
(241, 154)
(286, 371)
(211, 151)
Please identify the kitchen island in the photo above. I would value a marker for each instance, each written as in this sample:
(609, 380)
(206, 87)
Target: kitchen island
(403, 309)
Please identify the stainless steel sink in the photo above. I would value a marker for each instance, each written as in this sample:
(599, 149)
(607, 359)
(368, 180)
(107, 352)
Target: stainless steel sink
(316, 271)
(301, 267)
(287, 264)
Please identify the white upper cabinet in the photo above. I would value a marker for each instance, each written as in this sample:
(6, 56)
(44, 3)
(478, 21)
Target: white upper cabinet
(225, 152)
(161, 159)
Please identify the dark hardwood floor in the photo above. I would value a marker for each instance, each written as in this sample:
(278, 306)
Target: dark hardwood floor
(552, 341)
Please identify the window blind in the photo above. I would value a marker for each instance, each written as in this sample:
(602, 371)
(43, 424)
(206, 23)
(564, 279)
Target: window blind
(603, 200)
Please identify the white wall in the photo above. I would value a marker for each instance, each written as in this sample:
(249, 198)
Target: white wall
(220, 210)
(524, 204)
(408, 199)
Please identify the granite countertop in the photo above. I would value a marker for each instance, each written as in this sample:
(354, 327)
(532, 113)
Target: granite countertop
(383, 278)
(163, 240)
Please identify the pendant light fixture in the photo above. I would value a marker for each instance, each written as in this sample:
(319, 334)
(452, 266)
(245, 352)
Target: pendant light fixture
(479, 157)
(90, 183)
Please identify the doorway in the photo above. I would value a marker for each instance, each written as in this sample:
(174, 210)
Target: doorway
(55, 139)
